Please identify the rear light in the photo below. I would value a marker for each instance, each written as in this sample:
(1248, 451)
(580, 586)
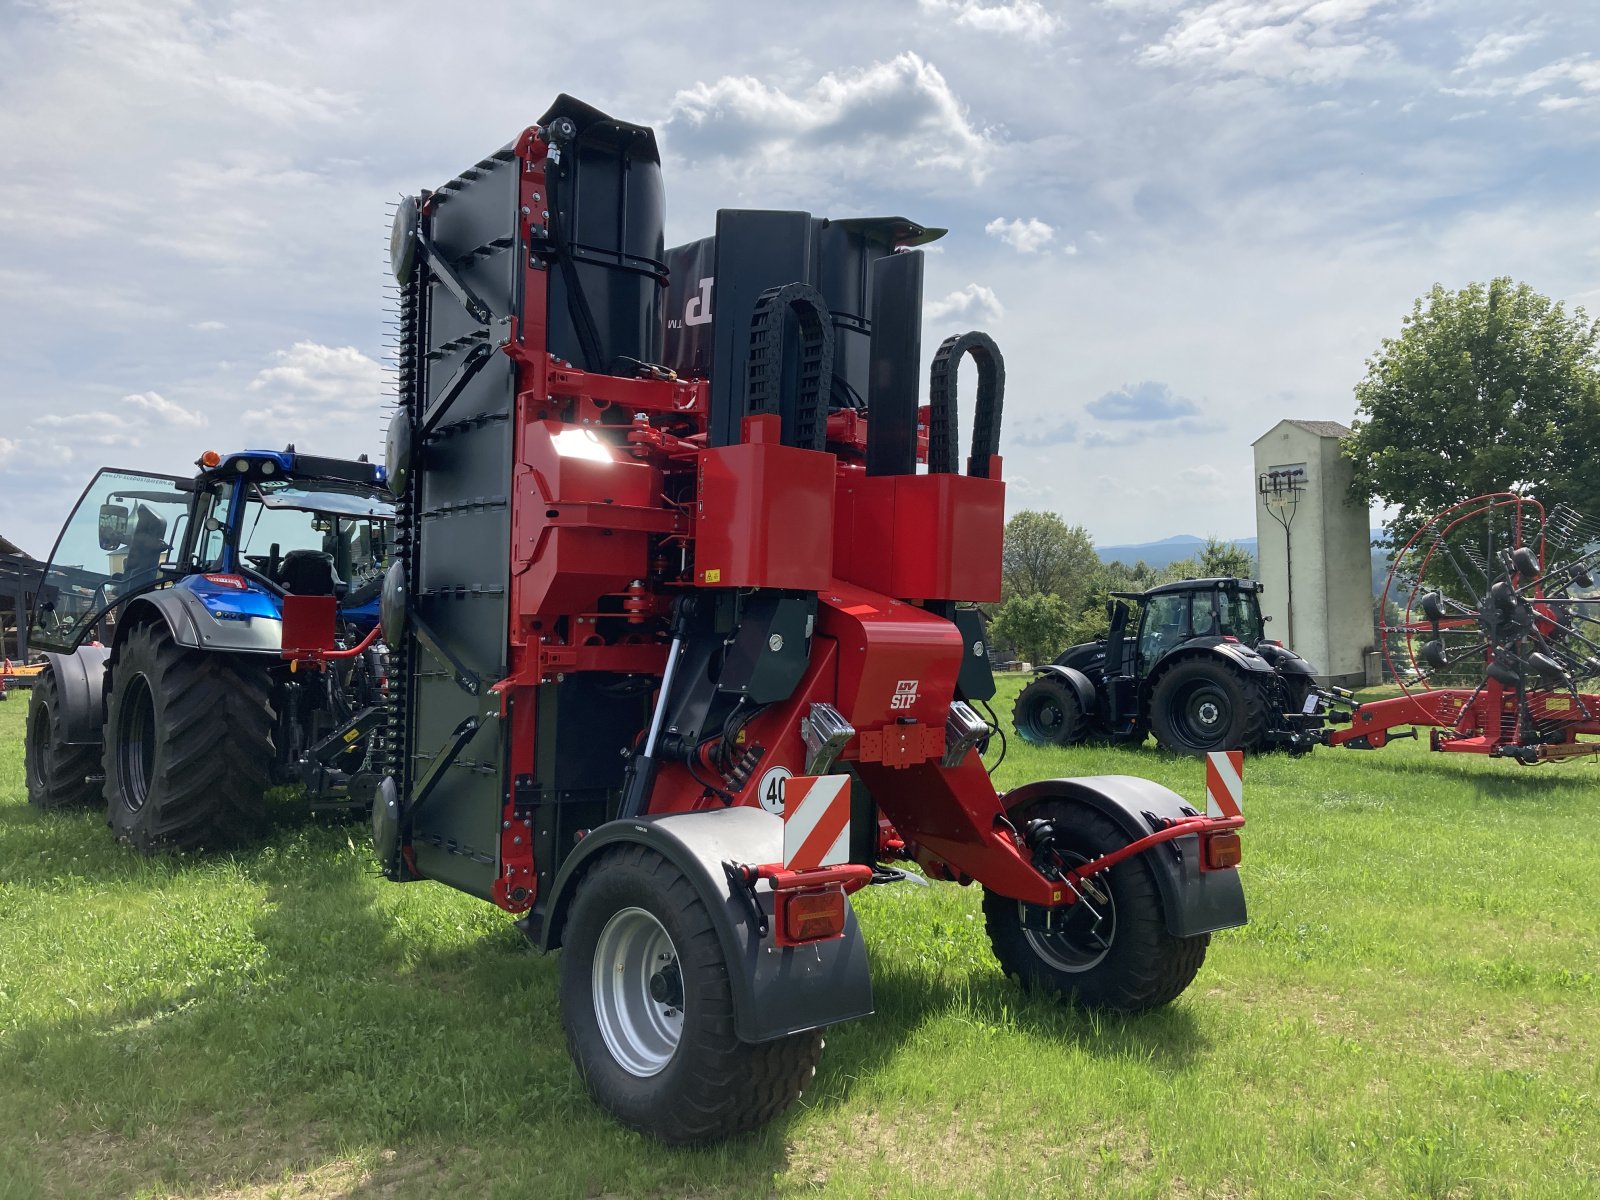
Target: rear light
(236, 582)
(1223, 850)
(813, 915)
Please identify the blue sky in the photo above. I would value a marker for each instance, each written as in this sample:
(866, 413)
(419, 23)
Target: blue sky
(1182, 221)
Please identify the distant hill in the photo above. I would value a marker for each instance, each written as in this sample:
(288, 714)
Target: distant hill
(1165, 552)
(1169, 550)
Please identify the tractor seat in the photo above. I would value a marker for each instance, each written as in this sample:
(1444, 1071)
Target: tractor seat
(309, 573)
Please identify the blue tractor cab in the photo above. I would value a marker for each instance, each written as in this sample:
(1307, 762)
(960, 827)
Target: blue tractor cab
(161, 612)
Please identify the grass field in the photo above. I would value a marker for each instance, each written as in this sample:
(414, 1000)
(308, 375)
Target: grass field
(1411, 1011)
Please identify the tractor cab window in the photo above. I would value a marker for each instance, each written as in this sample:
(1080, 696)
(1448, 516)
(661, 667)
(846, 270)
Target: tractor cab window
(1161, 627)
(125, 531)
(315, 538)
(1241, 617)
(1205, 616)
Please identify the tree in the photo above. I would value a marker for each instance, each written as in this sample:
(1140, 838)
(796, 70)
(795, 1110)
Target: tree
(1043, 554)
(1039, 625)
(1492, 388)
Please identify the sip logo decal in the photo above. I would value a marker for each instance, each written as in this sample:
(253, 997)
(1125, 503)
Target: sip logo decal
(770, 789)
(905, 695)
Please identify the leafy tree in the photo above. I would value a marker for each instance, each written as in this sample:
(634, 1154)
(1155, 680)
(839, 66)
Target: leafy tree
(1043, 554)
(1039, 625)
(1491, 388)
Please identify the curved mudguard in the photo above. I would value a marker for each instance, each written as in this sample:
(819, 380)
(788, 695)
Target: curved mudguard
(80, 684)
(1079, 682)
(1237, 653)
(195, 628)
(1194, 901)
(777, 990)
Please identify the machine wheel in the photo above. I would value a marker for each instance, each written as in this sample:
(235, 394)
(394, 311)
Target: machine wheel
(188, 751)
(1202, 705)
(648, 1010)
(1048, 713)
(57, 773)
(1113, 952)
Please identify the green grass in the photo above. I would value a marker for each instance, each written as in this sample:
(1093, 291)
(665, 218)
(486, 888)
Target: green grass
(1411, 1011)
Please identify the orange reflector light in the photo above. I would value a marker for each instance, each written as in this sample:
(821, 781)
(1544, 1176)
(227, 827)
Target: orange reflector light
(813, 915)
(210, 459)
(236, 582)
(1223, 850)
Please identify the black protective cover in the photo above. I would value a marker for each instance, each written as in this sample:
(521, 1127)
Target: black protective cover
(606, 207)
(777, 990)
(80, 684)
(1194, 901)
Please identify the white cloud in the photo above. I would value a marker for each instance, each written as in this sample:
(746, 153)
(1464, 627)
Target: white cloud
(164, 411)
(1024, 18)
(971, 303)
(208, 326)
(1495, 48)
(895, 114)
(1026, 236)
(1308, 41)
(315, 384)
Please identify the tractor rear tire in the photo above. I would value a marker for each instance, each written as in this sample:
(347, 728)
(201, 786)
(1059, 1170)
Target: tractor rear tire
(1204, 705)
(648, 1010)
(57, 773)
(1123, 958)
(188, 751)
(1048, 713)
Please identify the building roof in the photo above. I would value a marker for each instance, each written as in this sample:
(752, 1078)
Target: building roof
(7, 546)
(1329, 429)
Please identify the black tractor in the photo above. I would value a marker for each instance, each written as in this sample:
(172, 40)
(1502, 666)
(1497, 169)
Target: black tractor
(1198, 672)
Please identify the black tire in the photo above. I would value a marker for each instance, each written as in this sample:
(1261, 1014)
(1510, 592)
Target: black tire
(188, 751)
(1204, 705)
(58, 774)
(1139, 966)
(1047, 713)
(692, 1079)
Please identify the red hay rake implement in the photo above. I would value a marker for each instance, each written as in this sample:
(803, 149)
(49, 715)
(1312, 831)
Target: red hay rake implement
(1489, 624)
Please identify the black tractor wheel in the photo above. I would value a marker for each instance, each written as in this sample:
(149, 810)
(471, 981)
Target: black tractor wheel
(1048, 713)
(57, 773)
(1109, 950)
(188, 751)
(648, 1011)
(1204, 705)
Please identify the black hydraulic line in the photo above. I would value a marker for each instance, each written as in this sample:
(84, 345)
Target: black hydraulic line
(577, 299)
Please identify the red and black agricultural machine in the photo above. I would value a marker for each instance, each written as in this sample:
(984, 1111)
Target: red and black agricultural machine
(679, 654)
(1490, 623)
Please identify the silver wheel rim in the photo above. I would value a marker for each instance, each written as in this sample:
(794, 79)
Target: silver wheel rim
(638, 1010)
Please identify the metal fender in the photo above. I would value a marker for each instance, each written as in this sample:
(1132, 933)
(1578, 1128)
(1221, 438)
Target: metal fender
(193, 627)
(777, 990)
(1194, 901)
(1080, 684)
(1235, 653)
(80, 683)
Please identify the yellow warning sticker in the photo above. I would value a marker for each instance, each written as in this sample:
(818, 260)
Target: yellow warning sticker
(714, 575)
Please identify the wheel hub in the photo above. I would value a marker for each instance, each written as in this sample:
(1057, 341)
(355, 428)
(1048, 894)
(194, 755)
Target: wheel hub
(638, 996)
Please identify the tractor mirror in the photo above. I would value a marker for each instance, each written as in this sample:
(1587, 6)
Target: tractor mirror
(113, 527)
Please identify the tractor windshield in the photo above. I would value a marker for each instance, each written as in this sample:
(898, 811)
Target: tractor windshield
(127, 528)
(316, 537)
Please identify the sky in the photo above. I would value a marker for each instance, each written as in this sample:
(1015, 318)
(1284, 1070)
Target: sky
(1182, 222)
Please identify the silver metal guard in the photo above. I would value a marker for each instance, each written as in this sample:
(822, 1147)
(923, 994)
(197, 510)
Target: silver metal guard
(963, 729)
(826, 733)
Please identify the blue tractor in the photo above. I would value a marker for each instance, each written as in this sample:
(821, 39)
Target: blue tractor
(162, 615)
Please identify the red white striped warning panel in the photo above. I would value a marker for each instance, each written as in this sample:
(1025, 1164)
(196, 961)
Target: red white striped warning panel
(1224, 783)
(816, 821)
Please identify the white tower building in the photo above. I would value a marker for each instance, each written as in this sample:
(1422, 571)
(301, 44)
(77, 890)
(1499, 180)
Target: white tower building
(1315, 549)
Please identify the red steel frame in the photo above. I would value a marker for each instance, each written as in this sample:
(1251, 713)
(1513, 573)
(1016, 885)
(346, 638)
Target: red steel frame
(580, 551)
